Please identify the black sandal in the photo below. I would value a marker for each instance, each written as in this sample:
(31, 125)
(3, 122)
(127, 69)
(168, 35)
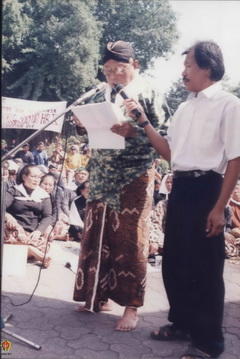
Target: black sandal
(169, 333)
(195, 353)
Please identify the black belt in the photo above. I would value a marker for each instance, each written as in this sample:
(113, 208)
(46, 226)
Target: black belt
(193, 173)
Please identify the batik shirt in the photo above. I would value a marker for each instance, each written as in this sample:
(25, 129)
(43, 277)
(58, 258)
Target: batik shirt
(111, 169)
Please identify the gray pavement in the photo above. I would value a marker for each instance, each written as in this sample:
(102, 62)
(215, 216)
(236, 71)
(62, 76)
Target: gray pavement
(49, 318)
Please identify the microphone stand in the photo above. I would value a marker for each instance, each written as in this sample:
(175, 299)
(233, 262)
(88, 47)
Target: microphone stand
(81, 99)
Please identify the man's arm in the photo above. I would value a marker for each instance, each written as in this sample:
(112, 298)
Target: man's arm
(216, 220)
(158, 142)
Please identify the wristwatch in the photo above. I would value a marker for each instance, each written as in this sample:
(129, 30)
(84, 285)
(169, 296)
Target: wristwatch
(144, 124)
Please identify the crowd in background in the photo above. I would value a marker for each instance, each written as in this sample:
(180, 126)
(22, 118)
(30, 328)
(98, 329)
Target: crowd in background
(45, 195)
(47, 191)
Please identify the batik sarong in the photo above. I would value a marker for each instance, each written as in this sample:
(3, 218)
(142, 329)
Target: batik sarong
(14, 233)
(115, 248)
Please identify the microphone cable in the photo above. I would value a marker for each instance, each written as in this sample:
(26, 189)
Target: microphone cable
(48, 237)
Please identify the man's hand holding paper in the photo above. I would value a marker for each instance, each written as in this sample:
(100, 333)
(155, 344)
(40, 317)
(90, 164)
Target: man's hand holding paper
(98, 119)
(124, 129)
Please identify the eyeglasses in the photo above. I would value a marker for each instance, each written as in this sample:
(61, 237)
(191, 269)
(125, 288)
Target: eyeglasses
(121, 69)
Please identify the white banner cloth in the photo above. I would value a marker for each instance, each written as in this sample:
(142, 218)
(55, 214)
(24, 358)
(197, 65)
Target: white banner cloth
(31, 115)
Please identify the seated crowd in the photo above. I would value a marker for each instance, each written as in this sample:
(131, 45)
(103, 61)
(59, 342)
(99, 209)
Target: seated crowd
(46, 197)
(43, 202)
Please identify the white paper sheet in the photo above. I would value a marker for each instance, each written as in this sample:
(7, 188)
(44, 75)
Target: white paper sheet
(98, 118)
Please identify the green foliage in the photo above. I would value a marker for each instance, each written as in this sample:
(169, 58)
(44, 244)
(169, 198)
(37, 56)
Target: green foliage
(163, 166)
(176, 95)
(57, 57)
(14, 29)
(148, 24)
(51, 48)
(236, 90)
(228, 86)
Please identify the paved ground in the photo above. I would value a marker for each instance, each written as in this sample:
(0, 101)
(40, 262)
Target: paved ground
(49, 318)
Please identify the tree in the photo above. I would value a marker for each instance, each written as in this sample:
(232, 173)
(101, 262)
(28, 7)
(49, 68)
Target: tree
(235, 90)
(56, 56)
(228, 86)
(51, 48)
(148, 24)
(14, 29)
(176, 95)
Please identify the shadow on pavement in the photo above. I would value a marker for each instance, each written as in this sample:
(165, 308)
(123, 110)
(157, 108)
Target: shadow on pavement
(64, 333)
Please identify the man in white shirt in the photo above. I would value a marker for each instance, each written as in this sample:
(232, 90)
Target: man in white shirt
(203, 145)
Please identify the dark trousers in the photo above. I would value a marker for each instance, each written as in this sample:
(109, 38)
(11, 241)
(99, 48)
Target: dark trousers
(193, 264)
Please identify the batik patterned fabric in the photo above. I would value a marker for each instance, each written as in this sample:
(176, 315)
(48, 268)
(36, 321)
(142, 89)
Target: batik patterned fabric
(232, 243)
(14, 233)
(232, 236)
(115, 248)
(111, 170)
(158, 215)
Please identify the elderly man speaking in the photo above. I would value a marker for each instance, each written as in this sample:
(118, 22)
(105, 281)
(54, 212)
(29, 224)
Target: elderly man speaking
(116, 237)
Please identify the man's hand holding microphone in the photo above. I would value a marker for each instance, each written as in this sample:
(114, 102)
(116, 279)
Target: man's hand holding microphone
(136, 112)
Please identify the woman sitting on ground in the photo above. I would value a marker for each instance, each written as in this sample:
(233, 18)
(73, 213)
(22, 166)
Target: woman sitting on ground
(28, 215)
(60, 214)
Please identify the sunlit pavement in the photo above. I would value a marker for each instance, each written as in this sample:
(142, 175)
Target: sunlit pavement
(50, 320)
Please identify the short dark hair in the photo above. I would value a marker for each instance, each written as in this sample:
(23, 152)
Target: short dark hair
(208, 55)
(81, 187)
(24, 171)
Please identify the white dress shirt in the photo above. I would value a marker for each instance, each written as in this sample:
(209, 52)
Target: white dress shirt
(205, 131)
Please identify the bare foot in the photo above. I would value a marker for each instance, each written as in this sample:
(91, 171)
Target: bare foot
(105, 307)
(128, 321)
(46, 262)
(81, 308)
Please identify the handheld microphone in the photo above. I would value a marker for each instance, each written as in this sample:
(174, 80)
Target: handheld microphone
(90, 93)
(119, 89)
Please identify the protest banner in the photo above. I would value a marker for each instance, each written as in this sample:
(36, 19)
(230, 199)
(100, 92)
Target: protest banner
(31, 115)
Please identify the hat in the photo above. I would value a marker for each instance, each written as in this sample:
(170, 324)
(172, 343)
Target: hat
(121, 51)
(74, 147)
(26, 144)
